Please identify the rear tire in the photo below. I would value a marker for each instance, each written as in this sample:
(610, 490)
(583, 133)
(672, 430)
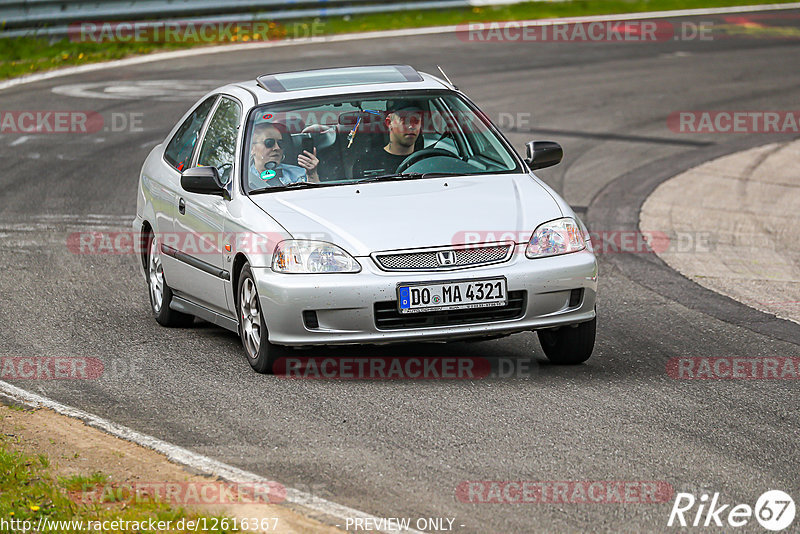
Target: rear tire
(260, 353)
(569, 345)
(160, 293)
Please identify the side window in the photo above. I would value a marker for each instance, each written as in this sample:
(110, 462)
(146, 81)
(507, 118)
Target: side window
(180, 147)
(219, 145)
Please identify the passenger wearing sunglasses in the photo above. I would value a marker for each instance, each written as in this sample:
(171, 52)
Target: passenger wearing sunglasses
(267, 166)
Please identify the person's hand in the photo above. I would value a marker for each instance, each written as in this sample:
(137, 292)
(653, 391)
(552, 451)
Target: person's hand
(309, 162)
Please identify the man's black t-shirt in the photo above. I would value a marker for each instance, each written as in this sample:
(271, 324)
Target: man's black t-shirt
(376, 163)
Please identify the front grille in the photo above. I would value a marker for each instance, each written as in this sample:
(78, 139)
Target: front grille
(388, 318)
(427, 260)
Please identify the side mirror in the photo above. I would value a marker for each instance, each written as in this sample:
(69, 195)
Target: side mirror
(202, 180)
(543, 154)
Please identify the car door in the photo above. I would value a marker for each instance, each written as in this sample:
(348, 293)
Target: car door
(166, 187)
(199, 219)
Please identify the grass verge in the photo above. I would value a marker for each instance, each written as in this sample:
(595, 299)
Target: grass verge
(31, 498)
(25, 55)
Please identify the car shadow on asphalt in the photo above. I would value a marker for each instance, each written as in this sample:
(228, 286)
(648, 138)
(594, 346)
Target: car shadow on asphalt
(517, 357)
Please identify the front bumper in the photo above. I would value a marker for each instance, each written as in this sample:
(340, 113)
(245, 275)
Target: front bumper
(345, 303)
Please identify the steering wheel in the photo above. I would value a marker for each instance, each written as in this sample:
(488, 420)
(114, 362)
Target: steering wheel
(419, 155)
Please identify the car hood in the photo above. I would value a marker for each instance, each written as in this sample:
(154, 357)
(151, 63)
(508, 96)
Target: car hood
(403, 214)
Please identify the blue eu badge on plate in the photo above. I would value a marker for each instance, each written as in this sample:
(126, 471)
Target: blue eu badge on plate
(404, 298)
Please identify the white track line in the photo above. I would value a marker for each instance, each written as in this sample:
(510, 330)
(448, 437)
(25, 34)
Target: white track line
(163, 56)
(203, 463)
(182, 456)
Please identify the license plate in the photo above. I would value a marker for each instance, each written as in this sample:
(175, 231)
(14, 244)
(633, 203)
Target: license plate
(464, 294)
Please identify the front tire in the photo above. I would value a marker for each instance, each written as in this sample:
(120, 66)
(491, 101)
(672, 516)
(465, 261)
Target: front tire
(160, 292)
(569, 345)
(260, 353)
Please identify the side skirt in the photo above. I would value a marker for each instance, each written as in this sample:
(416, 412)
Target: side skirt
(186, 306)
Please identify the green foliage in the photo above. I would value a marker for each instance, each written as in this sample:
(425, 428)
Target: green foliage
(28, 492)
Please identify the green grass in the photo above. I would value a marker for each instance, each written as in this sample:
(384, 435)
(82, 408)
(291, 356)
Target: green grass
(26, 55)
(28, 493)
(81, 482)
(529, 10)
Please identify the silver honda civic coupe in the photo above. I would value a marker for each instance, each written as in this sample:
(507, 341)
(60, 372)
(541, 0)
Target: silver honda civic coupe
(360, 205)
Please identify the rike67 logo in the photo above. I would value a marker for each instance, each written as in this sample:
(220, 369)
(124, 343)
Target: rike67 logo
(774, 510)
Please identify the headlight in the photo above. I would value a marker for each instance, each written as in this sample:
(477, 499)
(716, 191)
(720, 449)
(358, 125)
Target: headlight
(561, 236)
(296, 256)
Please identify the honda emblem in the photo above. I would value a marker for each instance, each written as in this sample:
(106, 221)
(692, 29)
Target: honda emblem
(446, 257)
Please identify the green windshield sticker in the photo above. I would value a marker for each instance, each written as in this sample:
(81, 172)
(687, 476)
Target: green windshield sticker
(266, 175)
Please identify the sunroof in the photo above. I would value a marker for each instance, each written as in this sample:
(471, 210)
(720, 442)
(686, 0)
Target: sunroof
(318, 79)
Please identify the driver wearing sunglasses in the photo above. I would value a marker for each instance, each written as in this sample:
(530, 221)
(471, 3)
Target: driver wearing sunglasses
(267, 166)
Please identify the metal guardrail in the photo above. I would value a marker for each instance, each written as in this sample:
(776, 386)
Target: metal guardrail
(53, 17)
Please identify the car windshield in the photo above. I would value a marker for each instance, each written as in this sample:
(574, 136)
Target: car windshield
(351, 139)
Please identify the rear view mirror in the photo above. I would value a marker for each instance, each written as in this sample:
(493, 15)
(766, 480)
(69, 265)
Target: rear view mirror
(202, 180)
(541, 154)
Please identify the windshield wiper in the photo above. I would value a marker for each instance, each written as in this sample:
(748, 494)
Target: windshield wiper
(391, 176)
(440, 174)
(296, 185)
(405, 176)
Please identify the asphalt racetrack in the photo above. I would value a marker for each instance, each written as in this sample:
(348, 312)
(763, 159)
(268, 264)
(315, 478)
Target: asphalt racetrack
(402, 448)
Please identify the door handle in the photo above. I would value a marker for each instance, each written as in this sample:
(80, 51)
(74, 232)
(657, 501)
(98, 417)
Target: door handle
(182, 206)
